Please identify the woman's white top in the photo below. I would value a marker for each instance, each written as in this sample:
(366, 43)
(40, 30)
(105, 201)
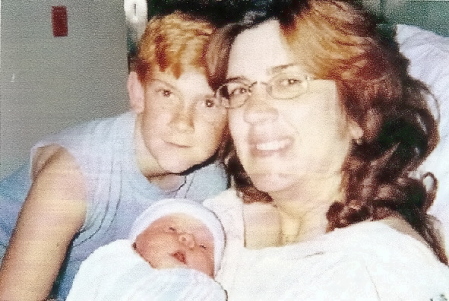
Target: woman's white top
(366, 261)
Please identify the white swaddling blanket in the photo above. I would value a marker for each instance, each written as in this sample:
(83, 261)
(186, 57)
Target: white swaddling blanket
(115, 272)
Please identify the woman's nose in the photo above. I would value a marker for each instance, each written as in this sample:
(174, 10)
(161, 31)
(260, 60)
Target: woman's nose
(187, 239)
(257, 107)
(182, 119)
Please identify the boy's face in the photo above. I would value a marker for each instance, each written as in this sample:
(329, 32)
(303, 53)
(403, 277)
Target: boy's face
(180, 121)
(177, 240)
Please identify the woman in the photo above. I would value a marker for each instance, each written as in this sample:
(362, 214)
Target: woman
(327, 128)
(89, 183)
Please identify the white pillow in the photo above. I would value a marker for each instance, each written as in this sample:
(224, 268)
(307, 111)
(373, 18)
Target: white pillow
(429, 62)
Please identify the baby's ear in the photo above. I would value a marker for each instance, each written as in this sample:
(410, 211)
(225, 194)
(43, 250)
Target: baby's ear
(136, 93)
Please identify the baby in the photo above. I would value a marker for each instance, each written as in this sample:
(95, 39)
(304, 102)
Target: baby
(173, 251)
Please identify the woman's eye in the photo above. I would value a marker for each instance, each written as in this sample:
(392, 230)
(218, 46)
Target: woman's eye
(238, 91)
(289, 82)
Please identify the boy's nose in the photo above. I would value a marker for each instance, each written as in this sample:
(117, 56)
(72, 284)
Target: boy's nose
(187, 239)
(183, 120)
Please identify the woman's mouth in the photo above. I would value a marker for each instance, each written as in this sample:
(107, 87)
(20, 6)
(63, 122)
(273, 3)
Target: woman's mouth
(270, 147)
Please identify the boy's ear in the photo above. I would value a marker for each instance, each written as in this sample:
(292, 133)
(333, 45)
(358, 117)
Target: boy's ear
(136, 93)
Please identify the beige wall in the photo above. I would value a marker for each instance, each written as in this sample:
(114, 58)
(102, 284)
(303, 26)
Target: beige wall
(48, 83)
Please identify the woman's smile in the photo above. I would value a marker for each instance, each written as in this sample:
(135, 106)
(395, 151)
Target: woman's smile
(268, 147)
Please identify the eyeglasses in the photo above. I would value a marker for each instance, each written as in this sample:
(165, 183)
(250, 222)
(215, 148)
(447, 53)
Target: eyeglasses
(236, 92)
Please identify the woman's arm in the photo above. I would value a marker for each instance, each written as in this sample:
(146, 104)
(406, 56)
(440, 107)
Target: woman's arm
(52, 214)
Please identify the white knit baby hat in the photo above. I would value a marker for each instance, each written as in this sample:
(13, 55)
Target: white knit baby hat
(197, 210)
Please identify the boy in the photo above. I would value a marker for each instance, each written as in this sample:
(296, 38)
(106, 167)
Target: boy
(86, 185)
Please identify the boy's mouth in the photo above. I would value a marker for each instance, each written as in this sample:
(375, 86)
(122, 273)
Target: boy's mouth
(180, 256)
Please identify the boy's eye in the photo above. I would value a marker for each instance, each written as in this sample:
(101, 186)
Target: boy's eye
(165, 92)
(210, 102)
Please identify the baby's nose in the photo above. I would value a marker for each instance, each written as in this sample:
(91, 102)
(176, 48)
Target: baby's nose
(187, 239)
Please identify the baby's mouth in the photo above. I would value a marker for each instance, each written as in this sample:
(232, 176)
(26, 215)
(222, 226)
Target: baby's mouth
(180, 256)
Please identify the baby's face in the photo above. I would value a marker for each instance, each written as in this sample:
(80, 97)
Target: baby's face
(177, 240)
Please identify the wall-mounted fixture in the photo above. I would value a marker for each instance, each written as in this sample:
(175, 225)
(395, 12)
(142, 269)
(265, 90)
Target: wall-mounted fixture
(136, 12)
(59, 21)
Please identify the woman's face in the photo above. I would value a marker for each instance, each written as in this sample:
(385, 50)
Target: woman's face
(181, 123)
(284, 142)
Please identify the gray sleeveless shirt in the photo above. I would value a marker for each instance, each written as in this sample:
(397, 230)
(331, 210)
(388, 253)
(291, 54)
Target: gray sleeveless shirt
(117, 191)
